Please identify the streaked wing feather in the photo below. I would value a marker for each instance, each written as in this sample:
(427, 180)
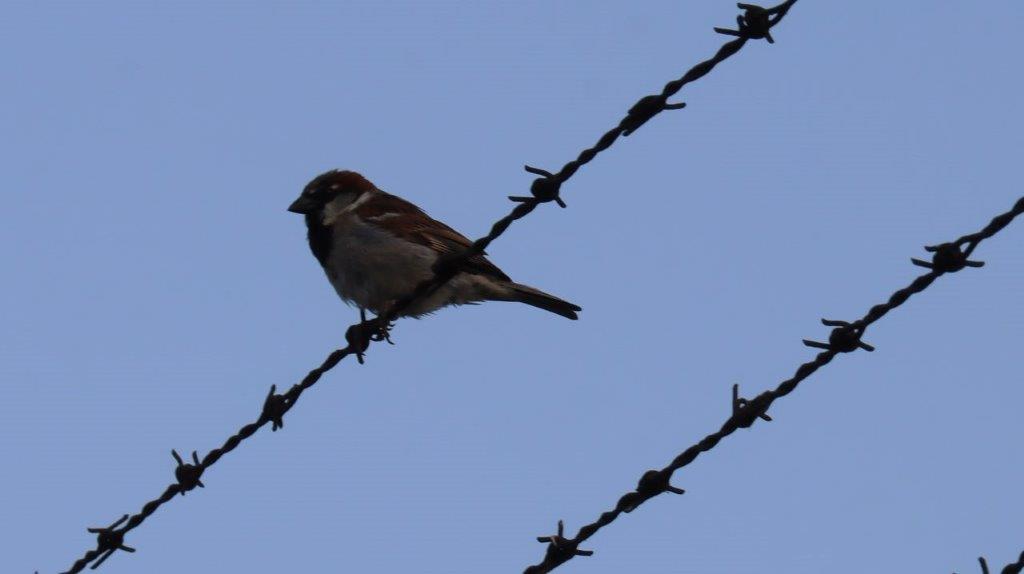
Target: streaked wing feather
(405, 220)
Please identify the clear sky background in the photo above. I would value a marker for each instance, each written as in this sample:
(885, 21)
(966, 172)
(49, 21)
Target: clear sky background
(154, 286)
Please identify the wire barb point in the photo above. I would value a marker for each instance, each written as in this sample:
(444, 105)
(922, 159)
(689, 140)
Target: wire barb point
(561, 548)
(274, 408)
(109, 540)
(188, 475)
(543, 189)
(845, 338)
(754, 24)
(948, 258)
(745, 411)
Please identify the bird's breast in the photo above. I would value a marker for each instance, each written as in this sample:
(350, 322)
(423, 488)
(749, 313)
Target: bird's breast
(371, 267)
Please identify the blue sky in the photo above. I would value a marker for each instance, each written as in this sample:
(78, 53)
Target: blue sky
(155, 286)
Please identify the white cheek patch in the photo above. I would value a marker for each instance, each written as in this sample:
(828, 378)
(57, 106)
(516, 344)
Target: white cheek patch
(333, 210)
(341, 205)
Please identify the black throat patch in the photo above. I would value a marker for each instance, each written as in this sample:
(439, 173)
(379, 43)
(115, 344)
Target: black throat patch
(319, 238)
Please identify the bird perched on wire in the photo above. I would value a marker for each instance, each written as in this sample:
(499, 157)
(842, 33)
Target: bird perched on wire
(376, 247)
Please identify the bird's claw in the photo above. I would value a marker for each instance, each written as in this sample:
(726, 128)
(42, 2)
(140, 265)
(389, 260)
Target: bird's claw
(383, 332)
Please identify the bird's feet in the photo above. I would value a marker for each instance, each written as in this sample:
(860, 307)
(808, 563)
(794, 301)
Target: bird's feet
(383, 331)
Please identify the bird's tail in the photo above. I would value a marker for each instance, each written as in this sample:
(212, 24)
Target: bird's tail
(542, 300)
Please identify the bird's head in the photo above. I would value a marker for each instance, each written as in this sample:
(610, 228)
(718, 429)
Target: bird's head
(330, 194)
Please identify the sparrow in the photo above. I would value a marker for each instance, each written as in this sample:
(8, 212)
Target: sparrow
(376, 247)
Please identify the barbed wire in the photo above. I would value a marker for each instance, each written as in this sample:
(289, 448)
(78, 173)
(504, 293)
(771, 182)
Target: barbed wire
(845, 337)
(755, 23)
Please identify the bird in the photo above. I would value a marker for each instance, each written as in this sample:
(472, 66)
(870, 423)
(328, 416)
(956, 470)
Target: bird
(376, 247)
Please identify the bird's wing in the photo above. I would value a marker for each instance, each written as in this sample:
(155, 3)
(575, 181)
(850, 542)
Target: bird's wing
(408, 222)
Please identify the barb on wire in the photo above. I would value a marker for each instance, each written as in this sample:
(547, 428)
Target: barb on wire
(1011, 568)
(747, 412)
(755, 23)
(948, 258)
(845, 338)
(274, 407)
(109, 540)
(559, 546)
(188, 474)
(545, 188)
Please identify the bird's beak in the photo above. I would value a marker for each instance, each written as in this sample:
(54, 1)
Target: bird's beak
(302, 205)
